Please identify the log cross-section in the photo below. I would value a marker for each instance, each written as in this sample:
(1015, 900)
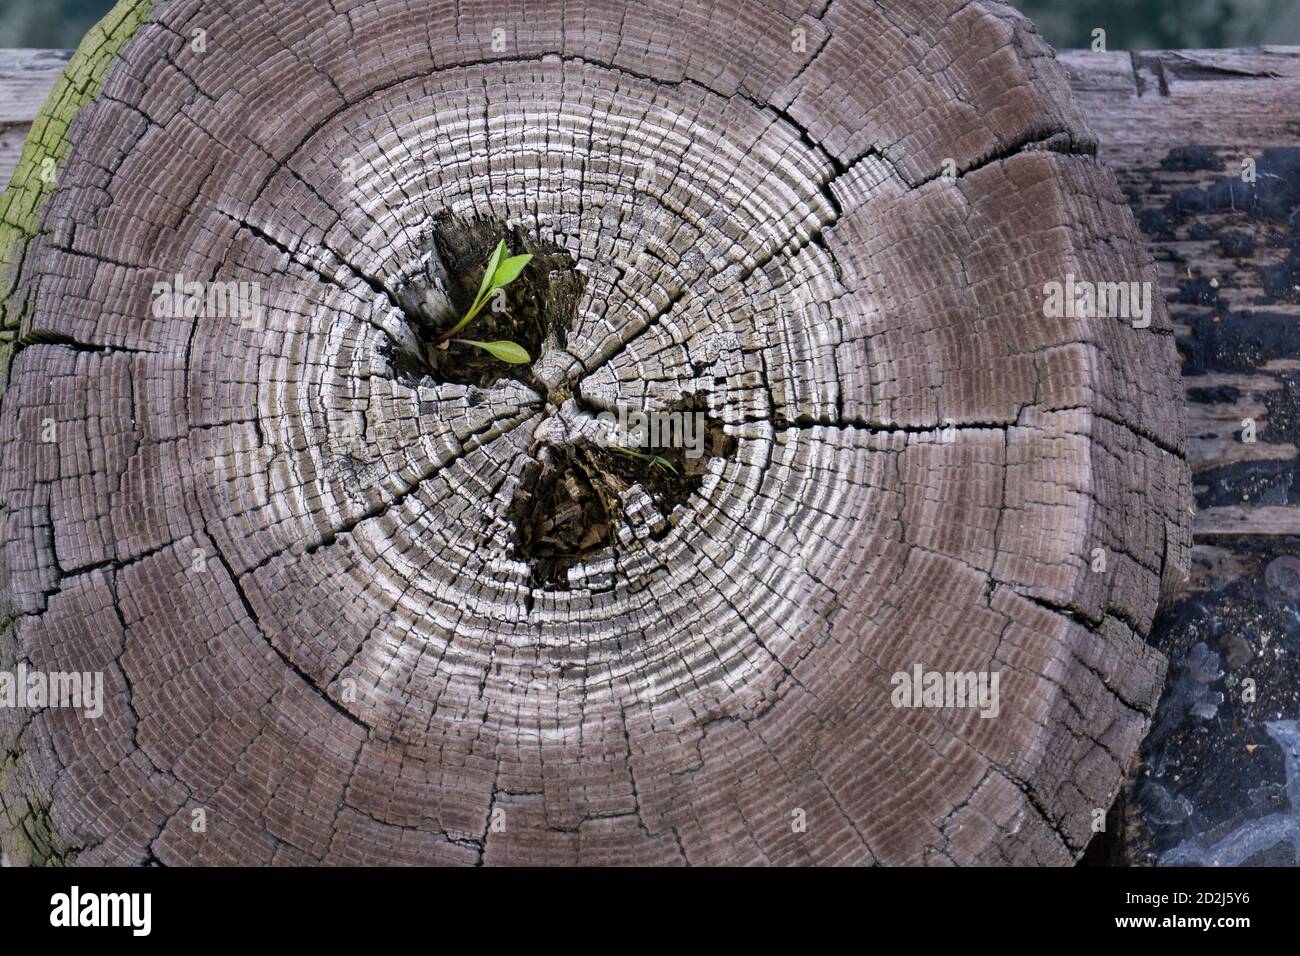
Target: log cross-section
(294, 553)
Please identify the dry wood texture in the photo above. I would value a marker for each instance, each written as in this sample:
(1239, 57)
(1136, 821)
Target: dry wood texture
(295, 560)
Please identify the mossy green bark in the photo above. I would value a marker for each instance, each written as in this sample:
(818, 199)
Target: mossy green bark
(45, 149)
(27, 832)
(29, 837)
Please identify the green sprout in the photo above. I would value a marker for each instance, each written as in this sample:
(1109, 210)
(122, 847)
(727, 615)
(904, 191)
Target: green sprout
(655, 461)
(499, 274)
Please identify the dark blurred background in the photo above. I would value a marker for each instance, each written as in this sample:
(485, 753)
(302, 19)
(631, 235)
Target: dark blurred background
(54, 24)
(1129, 24)
(1165, 24)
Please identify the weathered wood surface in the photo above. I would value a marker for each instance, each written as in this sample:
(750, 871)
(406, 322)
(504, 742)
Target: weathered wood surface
(348, 669)
(1219, 773)
(1197, 117)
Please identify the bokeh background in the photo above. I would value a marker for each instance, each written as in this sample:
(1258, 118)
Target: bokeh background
(52, 24)
(1129, 24)
(1165, 24)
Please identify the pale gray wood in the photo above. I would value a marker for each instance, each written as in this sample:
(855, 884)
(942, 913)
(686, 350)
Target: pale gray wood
(26, 77)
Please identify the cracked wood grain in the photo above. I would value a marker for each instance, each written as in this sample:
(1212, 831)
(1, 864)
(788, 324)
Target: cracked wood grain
(295, 563)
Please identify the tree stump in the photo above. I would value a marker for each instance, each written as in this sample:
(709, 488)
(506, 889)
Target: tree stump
(355, 601)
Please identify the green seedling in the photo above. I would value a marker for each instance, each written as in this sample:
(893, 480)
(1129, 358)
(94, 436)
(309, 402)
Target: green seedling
(500, 272)
(655, 461)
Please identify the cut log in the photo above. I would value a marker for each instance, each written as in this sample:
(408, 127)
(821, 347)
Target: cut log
(292, 545)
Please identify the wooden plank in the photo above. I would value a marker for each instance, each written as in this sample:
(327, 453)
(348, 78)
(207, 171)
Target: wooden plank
(1239, 520)
(1177, 127)
(25, 80)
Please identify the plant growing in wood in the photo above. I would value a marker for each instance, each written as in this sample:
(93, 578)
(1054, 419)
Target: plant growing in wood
(655, 461)
(500, 273)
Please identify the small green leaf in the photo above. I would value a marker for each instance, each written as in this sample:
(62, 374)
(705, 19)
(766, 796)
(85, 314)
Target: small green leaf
(490, 273)
(505, 351)
(654, 461)
(509, 270)
(498, 273)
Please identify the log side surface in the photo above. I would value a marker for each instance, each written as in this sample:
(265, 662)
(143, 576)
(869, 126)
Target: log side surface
(830, 224)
